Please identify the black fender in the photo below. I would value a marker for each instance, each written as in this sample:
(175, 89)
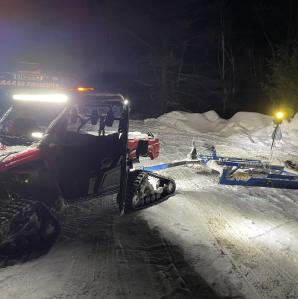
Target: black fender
(33, 181)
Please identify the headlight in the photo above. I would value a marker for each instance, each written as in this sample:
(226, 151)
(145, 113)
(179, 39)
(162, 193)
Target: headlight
(37, 135)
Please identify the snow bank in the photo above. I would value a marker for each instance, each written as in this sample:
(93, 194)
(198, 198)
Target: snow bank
(251, 120)
(210, 121)
(294, 122)
(191, 122)
(251, 124)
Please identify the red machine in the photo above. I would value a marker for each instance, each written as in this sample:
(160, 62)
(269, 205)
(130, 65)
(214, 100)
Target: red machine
(56, 148)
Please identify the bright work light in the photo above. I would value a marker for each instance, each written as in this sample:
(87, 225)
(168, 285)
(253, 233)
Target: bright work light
(82, 89)
(37, 135)
(279, 115)
(46, 98)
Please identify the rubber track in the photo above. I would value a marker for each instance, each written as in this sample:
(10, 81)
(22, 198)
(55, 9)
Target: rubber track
(23, 227)
(135, 180)
(10, 211)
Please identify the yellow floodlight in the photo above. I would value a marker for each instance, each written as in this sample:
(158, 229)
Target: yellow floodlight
(279, 115)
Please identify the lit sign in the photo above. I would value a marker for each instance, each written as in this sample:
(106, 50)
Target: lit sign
(16, 83)
(35, 79)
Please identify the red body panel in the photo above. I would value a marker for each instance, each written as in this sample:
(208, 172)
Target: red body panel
(32, 154)
(132, 146)
(153, 148)
(25, 156)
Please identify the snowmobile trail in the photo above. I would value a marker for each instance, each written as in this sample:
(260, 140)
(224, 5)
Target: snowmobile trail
(208, 241)
(102, 256)
(243, 241)
(241, 247)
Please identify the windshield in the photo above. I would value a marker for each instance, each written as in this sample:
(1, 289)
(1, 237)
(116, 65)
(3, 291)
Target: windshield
(24, 121)
(93, 119)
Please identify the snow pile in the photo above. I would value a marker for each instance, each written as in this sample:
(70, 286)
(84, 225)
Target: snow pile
(251, 120)
(293, 126)
(247, 123)
(250, 127)
(191, 122)
(294, 122)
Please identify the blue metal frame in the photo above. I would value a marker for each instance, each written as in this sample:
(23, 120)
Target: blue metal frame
(259, 173)
(282, 180)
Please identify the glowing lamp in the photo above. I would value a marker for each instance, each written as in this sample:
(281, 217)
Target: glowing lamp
(279, 115)
(126, 102)
(37, 135)
(42, 98)
(84, 89)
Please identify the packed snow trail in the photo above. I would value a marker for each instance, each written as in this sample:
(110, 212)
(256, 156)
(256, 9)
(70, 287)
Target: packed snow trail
(103, 256)
(208, 241)
(237, 238)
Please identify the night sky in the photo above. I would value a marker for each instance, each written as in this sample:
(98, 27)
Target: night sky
(72, 37)
(60, 35)
(89, 40)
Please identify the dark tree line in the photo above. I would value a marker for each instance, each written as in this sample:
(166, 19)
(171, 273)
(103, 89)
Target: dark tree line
(225, 55)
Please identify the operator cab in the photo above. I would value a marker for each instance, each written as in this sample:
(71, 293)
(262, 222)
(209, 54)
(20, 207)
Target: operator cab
(92, 114)
(87, 144)
(82, 137)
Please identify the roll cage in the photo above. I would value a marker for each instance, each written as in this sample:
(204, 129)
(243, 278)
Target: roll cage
(107, 100)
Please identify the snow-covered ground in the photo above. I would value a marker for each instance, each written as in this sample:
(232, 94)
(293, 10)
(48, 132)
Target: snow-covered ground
(208, 241)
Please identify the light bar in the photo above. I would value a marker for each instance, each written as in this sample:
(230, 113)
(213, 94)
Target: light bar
(44, 98)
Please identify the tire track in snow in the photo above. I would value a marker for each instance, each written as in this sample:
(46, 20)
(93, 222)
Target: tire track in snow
(270, 208)
(264, 277)
(206, 207)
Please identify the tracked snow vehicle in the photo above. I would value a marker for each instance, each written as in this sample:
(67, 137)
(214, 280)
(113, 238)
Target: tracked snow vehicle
(56, 149)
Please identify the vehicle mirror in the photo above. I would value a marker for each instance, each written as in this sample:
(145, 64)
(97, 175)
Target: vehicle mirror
(94, 117)
(74, 116)
(109, 118)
